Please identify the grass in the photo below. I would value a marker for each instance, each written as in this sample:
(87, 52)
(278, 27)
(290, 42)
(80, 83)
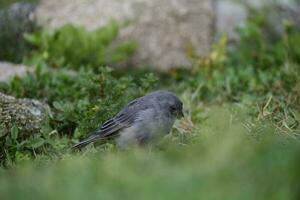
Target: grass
(239, 139)
(221, 162)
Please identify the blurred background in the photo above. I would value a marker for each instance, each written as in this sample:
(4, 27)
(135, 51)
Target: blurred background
(67, 66)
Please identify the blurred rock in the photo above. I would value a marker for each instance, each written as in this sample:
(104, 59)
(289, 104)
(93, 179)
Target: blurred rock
(19, 12)
(9, 70)
(280, 14)
(26, 114)
(232, 13)
(14, 22)
(229, 14)
(164, 29)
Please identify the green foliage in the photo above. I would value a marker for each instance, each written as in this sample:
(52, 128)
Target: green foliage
(236, 152)
(251, 73)
(15, 148)
(79, 101)
(254, 66)
(221, 163)
(74, 47)
(260, 51)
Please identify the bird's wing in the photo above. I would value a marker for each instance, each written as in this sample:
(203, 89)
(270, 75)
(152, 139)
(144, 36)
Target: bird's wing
(111, 128)
(122, 120)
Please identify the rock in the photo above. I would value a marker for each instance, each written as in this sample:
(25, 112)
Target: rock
(9, 70)
(19, 12)
(231, 14)
(279, 13)
(26, 114)
(14, 22)
(164, 29)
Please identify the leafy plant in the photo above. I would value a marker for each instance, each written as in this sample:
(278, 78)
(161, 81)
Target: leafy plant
(73, 47)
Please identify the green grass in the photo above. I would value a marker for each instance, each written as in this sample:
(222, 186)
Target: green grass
(221, 162)
(239, 139)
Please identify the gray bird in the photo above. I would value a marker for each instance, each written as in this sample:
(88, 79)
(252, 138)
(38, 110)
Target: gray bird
(141, 121)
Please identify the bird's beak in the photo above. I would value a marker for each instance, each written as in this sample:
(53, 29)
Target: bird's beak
(180, 114)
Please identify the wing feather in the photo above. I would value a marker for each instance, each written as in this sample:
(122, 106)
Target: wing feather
(111, 128)
(122, 120)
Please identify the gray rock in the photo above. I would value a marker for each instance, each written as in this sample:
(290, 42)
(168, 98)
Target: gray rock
(26, 114)
(279, 13)
(229, 14)
(233, 13)
(164, 29)
(9, 70)
(14, 22)
(19, 12)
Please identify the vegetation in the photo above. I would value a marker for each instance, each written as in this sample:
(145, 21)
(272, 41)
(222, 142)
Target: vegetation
(239, 140)
(84, 48)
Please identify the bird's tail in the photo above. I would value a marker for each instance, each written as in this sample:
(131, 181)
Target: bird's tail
(85, 142)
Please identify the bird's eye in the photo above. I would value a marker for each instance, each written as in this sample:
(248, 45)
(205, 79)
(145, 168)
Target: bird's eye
(173, 108)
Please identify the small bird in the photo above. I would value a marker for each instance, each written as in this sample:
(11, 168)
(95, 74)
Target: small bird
(141, 121)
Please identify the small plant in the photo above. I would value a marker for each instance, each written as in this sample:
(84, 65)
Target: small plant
(73, 47)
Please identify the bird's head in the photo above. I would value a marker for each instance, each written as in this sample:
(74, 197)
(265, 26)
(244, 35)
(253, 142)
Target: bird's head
(171, 103)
